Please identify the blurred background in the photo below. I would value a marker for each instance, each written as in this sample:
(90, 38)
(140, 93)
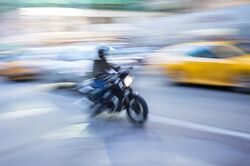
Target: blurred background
(191, 63)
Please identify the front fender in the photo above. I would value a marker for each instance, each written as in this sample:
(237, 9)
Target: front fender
(129, 95)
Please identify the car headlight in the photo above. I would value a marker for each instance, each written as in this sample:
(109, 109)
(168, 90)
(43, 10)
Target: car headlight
(128, 81)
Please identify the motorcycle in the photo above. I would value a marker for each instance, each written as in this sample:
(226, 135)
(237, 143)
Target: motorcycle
(116, 95)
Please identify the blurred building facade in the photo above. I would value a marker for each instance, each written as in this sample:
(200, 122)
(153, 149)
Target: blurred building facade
(30, 25)
(68, 24)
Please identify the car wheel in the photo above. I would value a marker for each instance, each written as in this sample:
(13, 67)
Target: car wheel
(178, 78)
(243, 83)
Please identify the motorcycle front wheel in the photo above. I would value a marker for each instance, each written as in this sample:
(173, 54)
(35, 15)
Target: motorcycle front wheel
(137, 110)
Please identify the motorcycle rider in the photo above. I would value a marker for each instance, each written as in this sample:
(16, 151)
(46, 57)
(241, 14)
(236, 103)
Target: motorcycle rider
(102, 66)
(106, 93)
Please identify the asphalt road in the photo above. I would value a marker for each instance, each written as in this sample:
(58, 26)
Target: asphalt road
(187, 125)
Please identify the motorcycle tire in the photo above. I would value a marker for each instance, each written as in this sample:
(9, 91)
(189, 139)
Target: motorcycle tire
(132, 110)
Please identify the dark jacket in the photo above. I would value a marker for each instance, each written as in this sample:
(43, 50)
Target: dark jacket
(101, 66)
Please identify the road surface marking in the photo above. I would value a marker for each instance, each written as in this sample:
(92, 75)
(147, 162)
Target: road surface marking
(199, 127)
(52, 86)
(37, 88)
(24, 113)
(72, 131)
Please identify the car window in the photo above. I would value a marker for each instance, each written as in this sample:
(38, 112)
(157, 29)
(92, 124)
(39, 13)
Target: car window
(28, 56)
(227, 51)
(7, 58)
(178, 49)
(203, 52)
(69, 56)
(245, 46)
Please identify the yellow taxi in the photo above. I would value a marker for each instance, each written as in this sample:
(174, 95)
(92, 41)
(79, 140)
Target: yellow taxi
(210, 63)
(12, 68)
(17, 71)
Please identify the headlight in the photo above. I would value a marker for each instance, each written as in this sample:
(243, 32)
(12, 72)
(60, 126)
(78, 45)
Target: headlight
(128, 81)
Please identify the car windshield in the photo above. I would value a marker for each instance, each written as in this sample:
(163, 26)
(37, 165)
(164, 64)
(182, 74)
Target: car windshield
(76, 55)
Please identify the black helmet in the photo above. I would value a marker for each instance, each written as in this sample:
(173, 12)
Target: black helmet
(103, 51)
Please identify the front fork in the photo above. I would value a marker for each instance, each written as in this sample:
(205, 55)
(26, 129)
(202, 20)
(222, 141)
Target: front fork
(128, 96)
